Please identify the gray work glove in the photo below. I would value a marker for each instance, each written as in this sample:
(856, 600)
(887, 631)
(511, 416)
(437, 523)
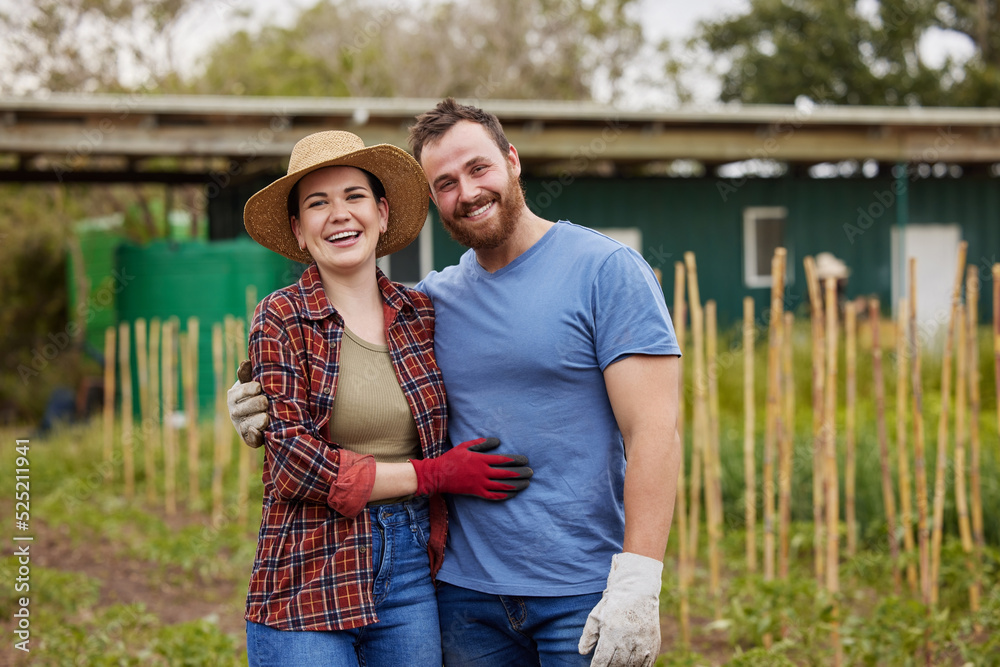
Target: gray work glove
(247, 407)
(625, 624)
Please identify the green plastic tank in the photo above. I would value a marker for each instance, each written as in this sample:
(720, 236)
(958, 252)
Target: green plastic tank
(191, 279)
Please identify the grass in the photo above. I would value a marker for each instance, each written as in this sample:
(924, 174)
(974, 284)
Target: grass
(878, 626)
(76, 620)
(869, 505)
(73, 619)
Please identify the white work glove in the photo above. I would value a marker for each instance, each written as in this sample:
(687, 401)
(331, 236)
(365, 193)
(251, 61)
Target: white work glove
(625, 624)
(248, 411)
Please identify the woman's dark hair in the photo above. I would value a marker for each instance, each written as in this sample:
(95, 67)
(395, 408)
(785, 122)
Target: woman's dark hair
(378, 190)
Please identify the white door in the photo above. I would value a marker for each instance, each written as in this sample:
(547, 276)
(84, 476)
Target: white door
(935, 248)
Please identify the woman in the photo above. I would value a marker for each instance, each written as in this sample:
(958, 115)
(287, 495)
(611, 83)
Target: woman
(349, 540)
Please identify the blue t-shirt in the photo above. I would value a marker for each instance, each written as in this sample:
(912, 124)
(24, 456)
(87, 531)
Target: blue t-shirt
(522, 352)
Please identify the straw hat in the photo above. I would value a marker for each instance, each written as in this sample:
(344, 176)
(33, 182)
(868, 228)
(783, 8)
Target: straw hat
(266, 213)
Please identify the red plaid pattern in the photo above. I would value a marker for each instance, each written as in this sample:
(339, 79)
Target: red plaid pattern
(313, 569)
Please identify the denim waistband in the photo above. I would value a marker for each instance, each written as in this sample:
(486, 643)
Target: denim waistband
(408, 511)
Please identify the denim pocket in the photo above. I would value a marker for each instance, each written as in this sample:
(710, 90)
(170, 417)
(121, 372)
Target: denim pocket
(421, 528)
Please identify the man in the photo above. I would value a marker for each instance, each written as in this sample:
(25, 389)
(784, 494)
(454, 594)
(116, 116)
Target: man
(556, 339)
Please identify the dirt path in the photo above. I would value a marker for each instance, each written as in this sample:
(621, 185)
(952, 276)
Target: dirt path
(125, 580)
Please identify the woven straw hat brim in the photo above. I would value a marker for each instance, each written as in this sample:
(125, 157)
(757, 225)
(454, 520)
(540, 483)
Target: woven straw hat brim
(266, 213)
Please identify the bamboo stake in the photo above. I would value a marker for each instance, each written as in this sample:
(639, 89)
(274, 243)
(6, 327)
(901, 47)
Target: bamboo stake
(142, 367)
(888, 497)
(229, 373)
(972, 332)
(185, 392)
(127, 431)
(785, 448)
(919, 456)
(243, 480)
(996, 333)
(902, 450)
(832, 500)
(680, 507)
(749, 418)
(109, 402)
(191, 409)
(695, 312)
(818, 382)
(153, 420)
(712, 364)
(251, 297)
(773, 414)
(713, 472)
(961, 434)
(940, 473)
(221, 422)
(169, 433)
(850, 426)
(155, 328)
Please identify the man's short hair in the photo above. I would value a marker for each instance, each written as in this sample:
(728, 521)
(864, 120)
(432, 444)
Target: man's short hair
(434, 123)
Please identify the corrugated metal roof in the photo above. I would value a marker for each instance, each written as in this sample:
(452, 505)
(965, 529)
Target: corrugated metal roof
(66, 136)
(565, 111)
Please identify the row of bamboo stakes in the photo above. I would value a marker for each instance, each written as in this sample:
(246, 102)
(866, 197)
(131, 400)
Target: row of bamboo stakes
(704, 478)
(166, 363)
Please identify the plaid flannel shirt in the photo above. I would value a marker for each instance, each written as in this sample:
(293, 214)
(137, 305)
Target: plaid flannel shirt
(313, 569)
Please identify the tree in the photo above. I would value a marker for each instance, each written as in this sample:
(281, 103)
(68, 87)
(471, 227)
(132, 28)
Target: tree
(92, 45)
(523, 49)
(782, 49)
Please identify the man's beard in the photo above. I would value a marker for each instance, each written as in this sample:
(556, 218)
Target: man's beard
(492, 234)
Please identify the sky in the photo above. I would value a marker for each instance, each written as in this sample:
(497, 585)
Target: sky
(673, 19)
(661, 19)
(676, 20)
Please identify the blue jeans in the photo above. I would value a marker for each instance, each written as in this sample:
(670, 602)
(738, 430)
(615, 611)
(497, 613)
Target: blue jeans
(407, 632)
(484, 630)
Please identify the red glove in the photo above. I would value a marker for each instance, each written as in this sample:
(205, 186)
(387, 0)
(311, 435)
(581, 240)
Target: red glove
(465, 469)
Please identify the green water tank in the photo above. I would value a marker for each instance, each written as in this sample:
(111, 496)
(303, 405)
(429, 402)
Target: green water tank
(193, 279)
(90, 269)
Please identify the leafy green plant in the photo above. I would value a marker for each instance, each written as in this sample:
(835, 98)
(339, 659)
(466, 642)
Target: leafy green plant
(792, 607)
(195, 644)
(760, 657)
(895, 633)
(680, 657)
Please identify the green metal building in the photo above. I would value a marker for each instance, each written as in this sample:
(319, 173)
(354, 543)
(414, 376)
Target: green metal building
(905, 182)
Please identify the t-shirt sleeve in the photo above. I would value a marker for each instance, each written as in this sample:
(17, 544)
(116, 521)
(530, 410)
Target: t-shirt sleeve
(630, 315)
(427, 284)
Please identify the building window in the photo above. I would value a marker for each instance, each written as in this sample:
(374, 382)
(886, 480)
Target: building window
(763, 231)
(630, 236)
(412, 263)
